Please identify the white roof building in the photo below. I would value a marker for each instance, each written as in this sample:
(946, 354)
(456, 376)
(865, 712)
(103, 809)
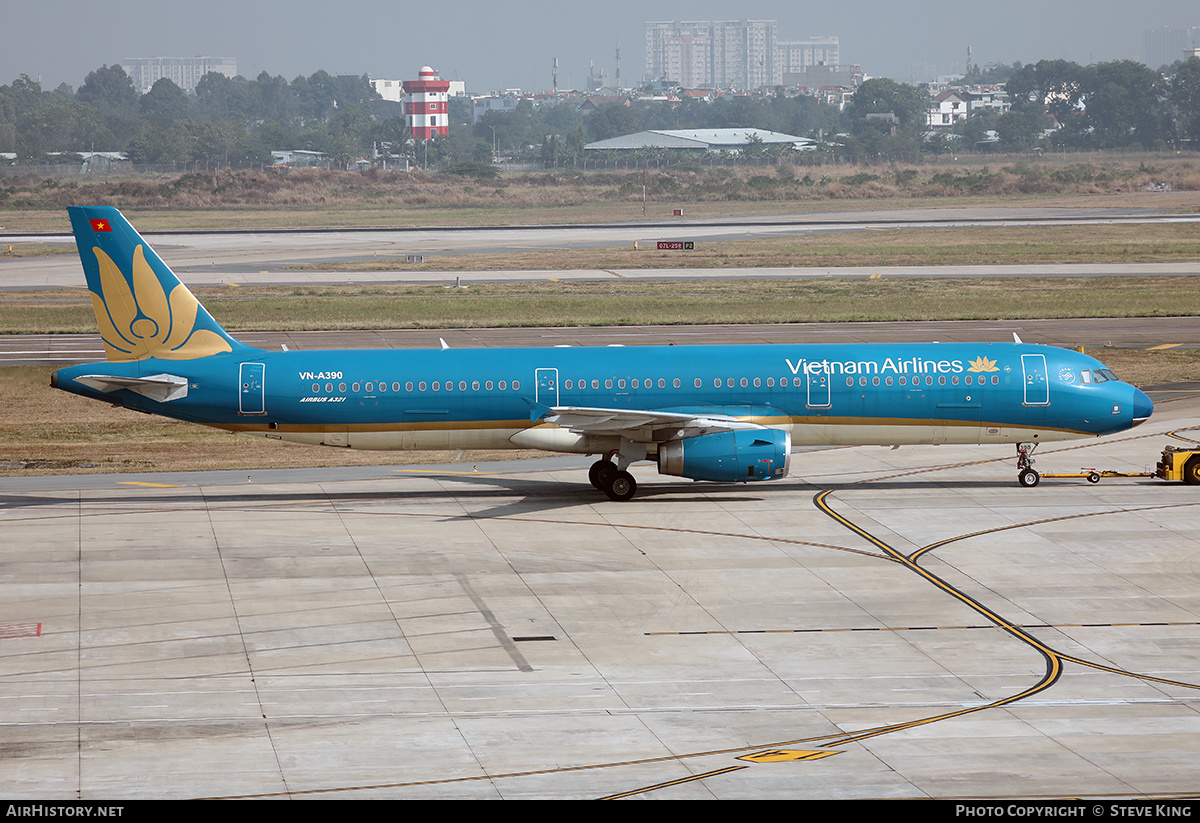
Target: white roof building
(699, 139)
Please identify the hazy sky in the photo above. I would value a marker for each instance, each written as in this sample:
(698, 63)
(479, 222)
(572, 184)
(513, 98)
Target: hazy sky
(495, 45)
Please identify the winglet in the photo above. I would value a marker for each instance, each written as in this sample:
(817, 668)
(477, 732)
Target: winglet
(141, 307)
(1015, 338)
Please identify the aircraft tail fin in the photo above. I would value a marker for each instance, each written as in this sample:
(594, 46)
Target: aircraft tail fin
(141, 307)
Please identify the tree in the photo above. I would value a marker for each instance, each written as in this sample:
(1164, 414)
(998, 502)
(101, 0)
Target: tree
(880, 95)
(164, 101)
(613, 120)
(1185, 97)
(1121, 104)
(109, 89)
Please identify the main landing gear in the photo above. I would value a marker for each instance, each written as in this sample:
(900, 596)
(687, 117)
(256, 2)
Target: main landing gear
(616, 483)
(1026, 475)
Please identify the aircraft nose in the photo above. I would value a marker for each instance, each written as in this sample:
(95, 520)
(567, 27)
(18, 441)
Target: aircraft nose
(1143, 407)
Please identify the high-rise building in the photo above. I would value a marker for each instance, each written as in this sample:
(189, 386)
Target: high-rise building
(723, 54)
(184, 72)
(1163, 46)
(730, 54)
(796, 55)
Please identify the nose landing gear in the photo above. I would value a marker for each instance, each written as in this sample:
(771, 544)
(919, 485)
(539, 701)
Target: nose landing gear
(1026, 475)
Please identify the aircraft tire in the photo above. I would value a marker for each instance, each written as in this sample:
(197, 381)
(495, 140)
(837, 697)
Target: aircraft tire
(599, 472)
(1191, 471)
(1029, 478)
(620, 486)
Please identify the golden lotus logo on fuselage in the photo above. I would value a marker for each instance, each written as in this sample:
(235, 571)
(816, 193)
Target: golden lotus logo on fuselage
(144, 321)
(983, 364)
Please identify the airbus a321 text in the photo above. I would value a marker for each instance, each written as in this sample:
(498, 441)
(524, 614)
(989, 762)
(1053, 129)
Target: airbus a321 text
(716, 413)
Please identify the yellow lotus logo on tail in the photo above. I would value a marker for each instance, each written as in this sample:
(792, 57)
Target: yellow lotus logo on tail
(146, 322)
(983, 364)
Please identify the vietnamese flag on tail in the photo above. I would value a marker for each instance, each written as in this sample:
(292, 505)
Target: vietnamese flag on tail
(101, 225)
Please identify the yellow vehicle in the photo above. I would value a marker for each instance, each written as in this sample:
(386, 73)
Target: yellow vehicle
(1179, 464)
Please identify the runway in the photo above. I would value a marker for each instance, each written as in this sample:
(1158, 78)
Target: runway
(883, 624)
(254, 258)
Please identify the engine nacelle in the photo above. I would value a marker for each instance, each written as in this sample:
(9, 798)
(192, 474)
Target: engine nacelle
(742, 455)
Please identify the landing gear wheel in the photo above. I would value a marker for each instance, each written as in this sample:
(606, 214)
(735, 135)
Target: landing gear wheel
(1191, 471)
(1029, 478)
(599, 472)
(620, 485)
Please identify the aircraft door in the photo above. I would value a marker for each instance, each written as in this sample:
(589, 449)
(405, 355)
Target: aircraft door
(251, 389)
(546, 381)
(1037, 387)
(818, 391)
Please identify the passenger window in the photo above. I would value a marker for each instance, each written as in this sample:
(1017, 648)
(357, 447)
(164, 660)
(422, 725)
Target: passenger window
(675, 383)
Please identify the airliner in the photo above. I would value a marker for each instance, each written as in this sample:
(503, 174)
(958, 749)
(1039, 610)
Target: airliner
(709, 413)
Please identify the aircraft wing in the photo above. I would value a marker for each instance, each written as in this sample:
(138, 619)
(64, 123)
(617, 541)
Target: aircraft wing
(642, 426)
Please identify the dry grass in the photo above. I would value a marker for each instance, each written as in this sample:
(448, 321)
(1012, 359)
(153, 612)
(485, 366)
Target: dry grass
(315, 197)
(637, 302)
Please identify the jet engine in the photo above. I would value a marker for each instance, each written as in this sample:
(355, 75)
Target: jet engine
(741, 455)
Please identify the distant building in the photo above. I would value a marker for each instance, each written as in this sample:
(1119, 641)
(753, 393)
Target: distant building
(1163, 46)
(730, 54)
(819, 76)
(701, 140)
(427, 106)
(184, 72)
(796, 55)
(393, 90)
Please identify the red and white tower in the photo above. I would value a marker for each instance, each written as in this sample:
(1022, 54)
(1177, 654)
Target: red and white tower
(426, 105)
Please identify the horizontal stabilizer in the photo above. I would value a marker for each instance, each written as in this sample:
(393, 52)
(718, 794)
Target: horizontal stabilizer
(160, 387)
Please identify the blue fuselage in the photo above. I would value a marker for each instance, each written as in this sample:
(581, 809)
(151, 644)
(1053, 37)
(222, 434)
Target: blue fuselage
(482, 398)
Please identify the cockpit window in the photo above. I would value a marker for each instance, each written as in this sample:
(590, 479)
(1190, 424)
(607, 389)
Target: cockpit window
(1108, 373)
(1098, 376)
(1085, 376)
